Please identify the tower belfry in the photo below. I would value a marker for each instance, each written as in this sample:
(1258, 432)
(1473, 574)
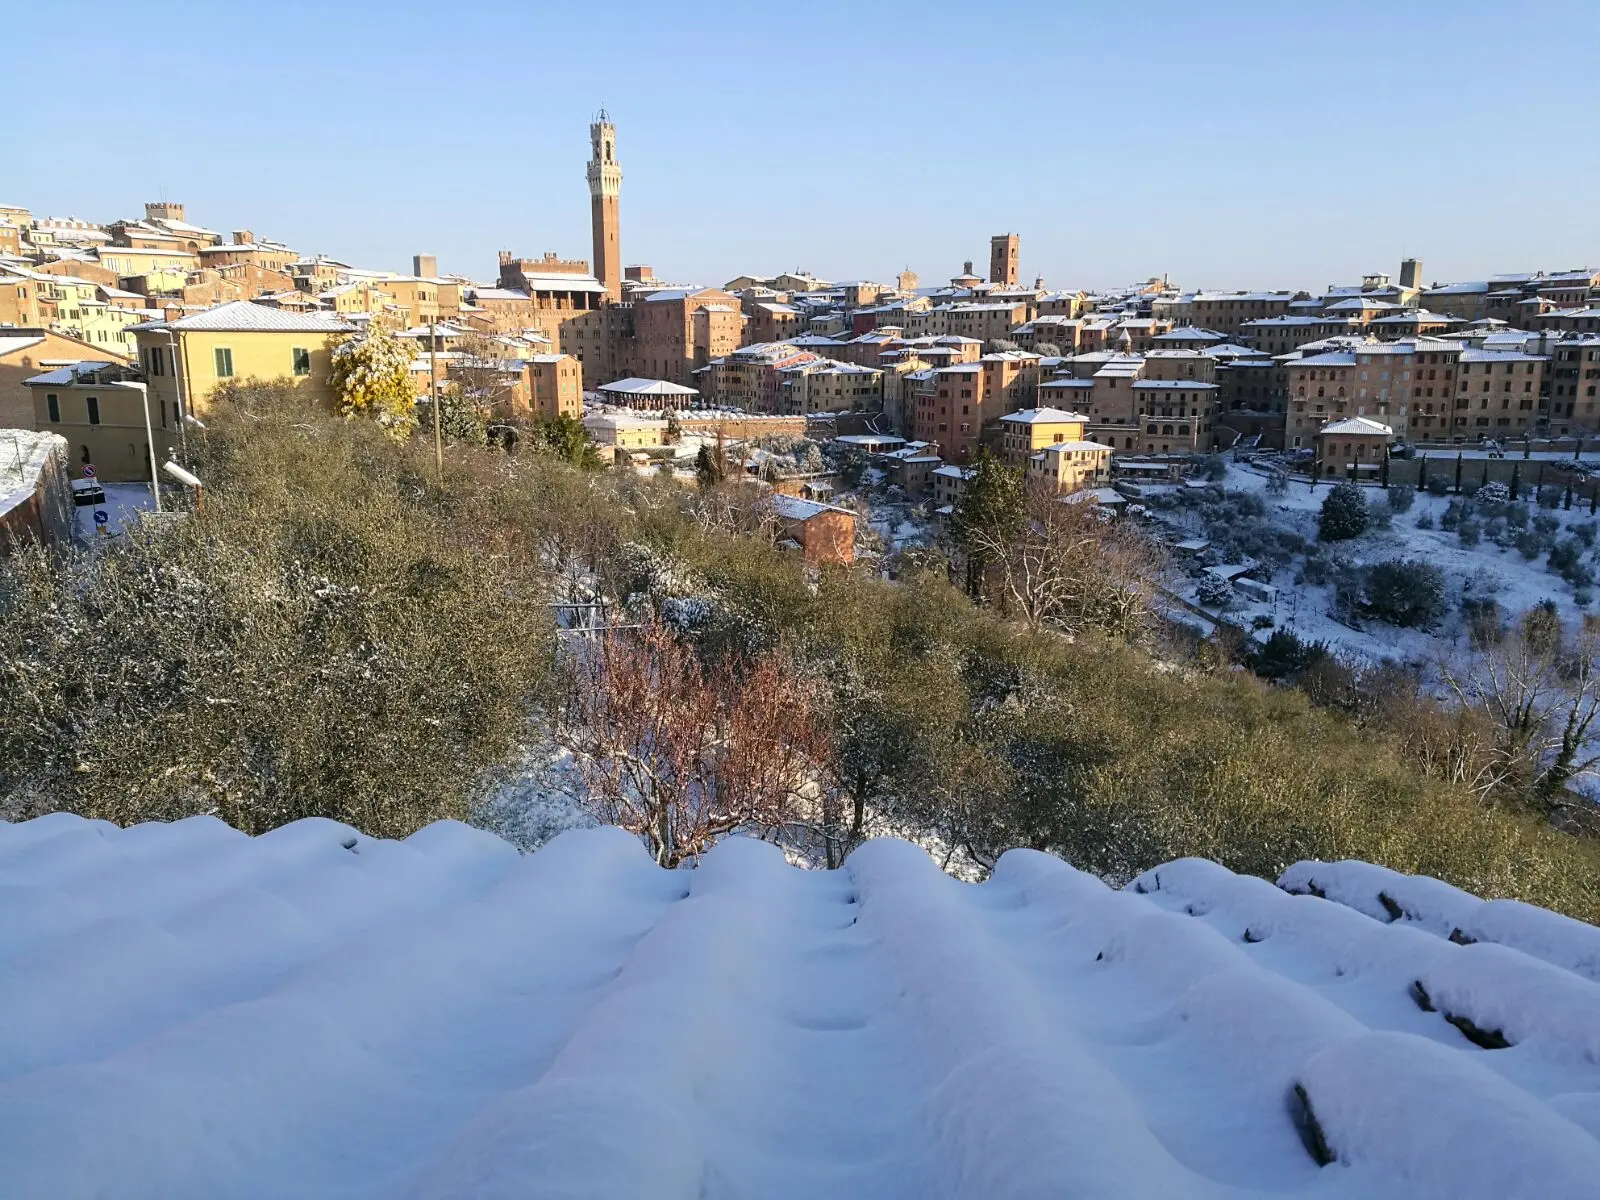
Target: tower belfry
(605, 184)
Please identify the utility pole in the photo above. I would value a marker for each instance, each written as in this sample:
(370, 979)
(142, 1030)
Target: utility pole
(433, 375)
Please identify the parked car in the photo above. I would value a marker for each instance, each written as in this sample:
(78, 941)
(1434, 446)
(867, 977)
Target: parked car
(86, 492)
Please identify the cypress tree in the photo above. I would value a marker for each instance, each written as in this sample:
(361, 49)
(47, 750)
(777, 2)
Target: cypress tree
(1516, 478)
(1458, 473)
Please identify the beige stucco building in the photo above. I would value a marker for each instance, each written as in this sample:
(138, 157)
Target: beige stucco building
(1354, 447)
(101, 411)
(1030, 430)
(1069, 466)
(186, 360)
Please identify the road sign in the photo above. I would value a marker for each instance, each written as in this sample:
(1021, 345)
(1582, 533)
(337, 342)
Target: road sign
(88, 472)
(101, 516)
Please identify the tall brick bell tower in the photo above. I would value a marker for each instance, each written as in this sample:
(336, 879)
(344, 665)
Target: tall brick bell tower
(605, 183)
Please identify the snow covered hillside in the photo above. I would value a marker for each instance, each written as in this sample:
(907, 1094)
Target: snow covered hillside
(1476, 567)
(186, 1011)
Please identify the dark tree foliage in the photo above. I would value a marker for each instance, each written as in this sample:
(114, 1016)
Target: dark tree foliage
(1405, 592)
(1344, 514)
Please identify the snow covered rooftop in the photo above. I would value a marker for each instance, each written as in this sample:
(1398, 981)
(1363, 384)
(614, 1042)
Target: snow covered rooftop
(1188, 333)
(634, 386)
(315, 1013)
(68, 375)
(1079, 447)
(1357, 426)
(11, 342)
(794, 508)
(1043, 416)
(243, 316)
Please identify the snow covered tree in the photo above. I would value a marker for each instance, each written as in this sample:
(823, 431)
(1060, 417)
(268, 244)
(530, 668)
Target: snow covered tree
(318, 641)
(460, 419)
(1405, 592)
(564, 437)
(372, 378)
(1213, 591)
(1343, 515)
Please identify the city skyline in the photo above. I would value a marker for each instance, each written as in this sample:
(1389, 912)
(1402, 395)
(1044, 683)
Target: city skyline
(372, 142)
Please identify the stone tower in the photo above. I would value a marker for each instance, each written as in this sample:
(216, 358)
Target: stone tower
(1003, 259)
(1411, 273)
(605, 183)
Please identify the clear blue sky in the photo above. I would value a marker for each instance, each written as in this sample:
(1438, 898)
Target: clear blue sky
(1225, 144)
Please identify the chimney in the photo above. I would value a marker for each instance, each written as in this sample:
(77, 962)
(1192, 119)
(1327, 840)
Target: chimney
(243, 237)
(1410, 273)
(425, 266)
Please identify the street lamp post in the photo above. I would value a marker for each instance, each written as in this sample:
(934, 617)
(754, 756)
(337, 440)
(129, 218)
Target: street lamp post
(150, 441)
(177, 386)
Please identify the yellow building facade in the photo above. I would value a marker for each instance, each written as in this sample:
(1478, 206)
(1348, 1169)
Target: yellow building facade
(1068, 466)
(1031, 430)
(186, 360)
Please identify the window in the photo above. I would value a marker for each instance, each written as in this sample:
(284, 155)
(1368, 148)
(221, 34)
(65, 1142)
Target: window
(53, 407)
(224, 361)
(93, 403)
(302, 361)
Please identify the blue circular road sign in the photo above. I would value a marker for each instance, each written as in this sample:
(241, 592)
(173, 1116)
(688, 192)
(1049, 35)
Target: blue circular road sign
(101, 516)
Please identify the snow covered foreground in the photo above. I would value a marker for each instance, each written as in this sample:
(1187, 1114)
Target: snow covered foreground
(189, 1012)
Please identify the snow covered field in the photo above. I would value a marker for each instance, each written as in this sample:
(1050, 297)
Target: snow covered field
(186, 1011)
(1486, 569)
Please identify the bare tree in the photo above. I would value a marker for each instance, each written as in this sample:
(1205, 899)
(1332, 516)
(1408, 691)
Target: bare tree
(682, 752)
(1540, 688)
(1069, 563)
(480, 379)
